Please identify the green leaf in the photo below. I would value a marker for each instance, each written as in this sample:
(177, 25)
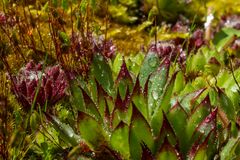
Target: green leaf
(208, 124)
(134, 62)
(197, 116)
(103, 73)
(156, 121)
(139, 132)
(226, 105)
(123, 109)
(178, 120)
(90, 130)
(117, 63)
(189, 101)
(65, 131)
(120, 139)
(90, 106)
(179, 82)
(199, 150)
(140, 100)
(120, 14)
(76, 97)
(228, 150)
(165, 103)
(150, 64)
(156, 85)
(196, 63)
(102, 104)
(224, 38)
(166, 132)
(167, 152)
(124, 81)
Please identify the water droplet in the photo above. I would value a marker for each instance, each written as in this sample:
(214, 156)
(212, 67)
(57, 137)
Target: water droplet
(155, 95)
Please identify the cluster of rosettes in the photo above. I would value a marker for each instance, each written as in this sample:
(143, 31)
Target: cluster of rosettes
(178, 48)
(93, 45)
(232, 21)
(52, 84)
(105, 47)
(168, 49)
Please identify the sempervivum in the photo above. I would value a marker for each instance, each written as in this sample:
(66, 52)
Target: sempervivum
(232, 21)
(197, 40)
(168, 49)
(52, 84)
(105, 47)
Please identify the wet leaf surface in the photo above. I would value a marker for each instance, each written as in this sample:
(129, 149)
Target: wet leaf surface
(140, 131)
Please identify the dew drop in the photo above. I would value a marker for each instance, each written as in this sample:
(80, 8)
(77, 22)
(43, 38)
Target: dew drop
(155, 95)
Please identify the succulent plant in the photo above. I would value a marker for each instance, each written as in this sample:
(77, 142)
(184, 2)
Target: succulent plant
(142, 119)
(49, 84)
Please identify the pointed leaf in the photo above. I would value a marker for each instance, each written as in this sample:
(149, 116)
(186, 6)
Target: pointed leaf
(101, 100)
(223, 38)
(140, 101)
(124, 73)
(156, 121)
(91, 108)
(178, 120)
(76, 97)
(123, 104)
(116, 66)
(139, 132)
(167, 132)
(90, 130)
(150, 64)
(208, 124)
(156, 86)
(179, 82)
(167, 152)
(165, 103)
(226, 105)
(66, 132)
(124, 80)
(197, 116)
(228, 150)
(199, 150)
(120, 141)
(189, 101)
(103, 73)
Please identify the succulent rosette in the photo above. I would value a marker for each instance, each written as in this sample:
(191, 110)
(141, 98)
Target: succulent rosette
(49, 84)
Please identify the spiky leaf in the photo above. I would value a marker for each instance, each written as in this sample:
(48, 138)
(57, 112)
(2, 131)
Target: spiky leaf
(167, 152)
(150, 64)
(119, 139)
(139, 132)
(66, 132)
(226, 105)
(103, 73)
(90, 130)
(156, 86)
